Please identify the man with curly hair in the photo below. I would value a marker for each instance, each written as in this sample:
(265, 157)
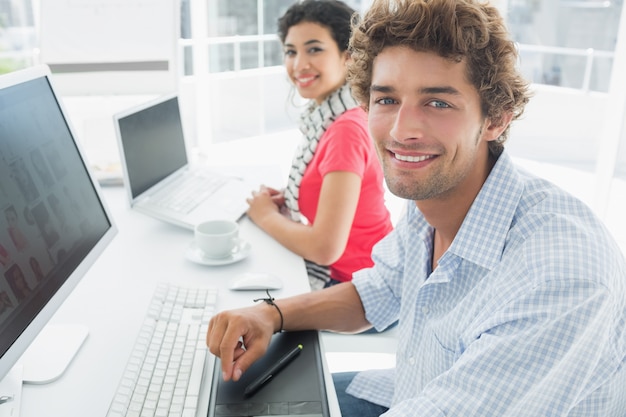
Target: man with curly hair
(510, 293)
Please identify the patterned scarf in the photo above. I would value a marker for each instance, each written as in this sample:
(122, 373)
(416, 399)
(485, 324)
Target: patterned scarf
(313, 123)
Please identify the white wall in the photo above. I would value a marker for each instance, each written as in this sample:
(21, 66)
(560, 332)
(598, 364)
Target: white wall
(560, 126)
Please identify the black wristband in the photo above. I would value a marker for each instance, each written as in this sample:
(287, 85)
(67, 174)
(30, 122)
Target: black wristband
(270, 300)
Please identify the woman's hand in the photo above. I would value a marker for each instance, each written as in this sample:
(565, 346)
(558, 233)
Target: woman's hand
(278, 196)
(323, 239)
(264, 203)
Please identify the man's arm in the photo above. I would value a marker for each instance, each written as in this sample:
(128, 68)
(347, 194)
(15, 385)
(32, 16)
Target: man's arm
(338, 308)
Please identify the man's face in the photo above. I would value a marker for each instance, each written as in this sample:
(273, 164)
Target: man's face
(426, 122)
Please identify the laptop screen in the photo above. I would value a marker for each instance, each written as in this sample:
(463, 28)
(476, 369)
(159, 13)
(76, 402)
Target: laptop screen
(152, 143)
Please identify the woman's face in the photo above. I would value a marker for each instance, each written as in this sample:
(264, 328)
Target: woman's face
(314, 63)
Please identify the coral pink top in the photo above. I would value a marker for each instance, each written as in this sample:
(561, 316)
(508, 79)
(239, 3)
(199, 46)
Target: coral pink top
(346, 146)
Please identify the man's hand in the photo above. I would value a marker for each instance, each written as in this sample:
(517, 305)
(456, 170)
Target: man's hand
(240, 337)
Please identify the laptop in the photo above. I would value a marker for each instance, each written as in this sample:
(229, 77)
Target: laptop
(158, 177)
(297, 390)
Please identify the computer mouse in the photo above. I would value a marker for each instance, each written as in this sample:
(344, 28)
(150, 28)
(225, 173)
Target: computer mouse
(255, 281)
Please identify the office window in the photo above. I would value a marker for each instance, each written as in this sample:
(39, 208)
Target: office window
(566, 43)
(273, 53)
(240, 34)
(272, 9)
(230, 47)
(570, 44)
(18, 38)
(232, 17)
(221, 58)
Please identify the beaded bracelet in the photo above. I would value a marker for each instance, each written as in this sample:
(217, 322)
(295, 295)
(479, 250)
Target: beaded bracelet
(270, 300)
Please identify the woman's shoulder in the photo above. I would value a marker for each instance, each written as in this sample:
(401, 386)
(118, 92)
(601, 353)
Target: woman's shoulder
(354, 119)
(354, 114)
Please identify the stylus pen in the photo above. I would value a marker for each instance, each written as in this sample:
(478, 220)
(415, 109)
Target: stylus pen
(270, 373)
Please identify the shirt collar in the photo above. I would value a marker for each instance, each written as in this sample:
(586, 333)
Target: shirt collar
(482, 236)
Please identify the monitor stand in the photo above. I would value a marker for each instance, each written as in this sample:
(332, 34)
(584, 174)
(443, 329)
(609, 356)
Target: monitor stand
(44, 361)
(11, 392)
(51, 352)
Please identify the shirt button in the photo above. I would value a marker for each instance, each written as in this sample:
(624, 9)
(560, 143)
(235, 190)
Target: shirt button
(425, 310)
(411, 361)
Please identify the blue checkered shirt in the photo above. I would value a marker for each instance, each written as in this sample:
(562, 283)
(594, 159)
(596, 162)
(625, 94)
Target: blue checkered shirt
(523, 316)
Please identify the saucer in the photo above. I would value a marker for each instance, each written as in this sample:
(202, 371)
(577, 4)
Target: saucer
(195, 254)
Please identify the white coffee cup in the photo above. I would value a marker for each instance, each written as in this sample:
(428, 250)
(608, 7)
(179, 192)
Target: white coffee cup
(217, 238)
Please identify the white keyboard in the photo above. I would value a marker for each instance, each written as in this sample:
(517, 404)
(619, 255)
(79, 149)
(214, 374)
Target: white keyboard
(190, 192)
(164, 373)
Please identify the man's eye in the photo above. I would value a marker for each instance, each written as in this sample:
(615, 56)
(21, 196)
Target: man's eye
(385, 100)
(439, 104)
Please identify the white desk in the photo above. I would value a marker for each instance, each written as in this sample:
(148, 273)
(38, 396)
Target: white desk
(113, 298)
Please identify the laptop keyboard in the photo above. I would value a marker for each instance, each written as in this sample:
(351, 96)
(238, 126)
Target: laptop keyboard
(186, 195)
(164, 373)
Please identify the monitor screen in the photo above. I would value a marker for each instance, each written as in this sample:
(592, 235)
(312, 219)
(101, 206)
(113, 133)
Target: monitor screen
(53, 223)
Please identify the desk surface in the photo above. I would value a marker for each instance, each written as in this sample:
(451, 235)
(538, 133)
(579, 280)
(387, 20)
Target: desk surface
(113, 298)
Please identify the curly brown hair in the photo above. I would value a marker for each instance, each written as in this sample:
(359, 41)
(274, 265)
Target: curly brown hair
(459, 30)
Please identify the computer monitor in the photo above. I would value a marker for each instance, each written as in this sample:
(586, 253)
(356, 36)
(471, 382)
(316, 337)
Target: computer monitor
(53, 221)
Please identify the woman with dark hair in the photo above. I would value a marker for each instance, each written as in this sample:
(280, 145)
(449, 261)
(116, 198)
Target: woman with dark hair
(332, 211)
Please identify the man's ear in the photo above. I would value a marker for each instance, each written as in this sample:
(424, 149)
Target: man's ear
(494, 128)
